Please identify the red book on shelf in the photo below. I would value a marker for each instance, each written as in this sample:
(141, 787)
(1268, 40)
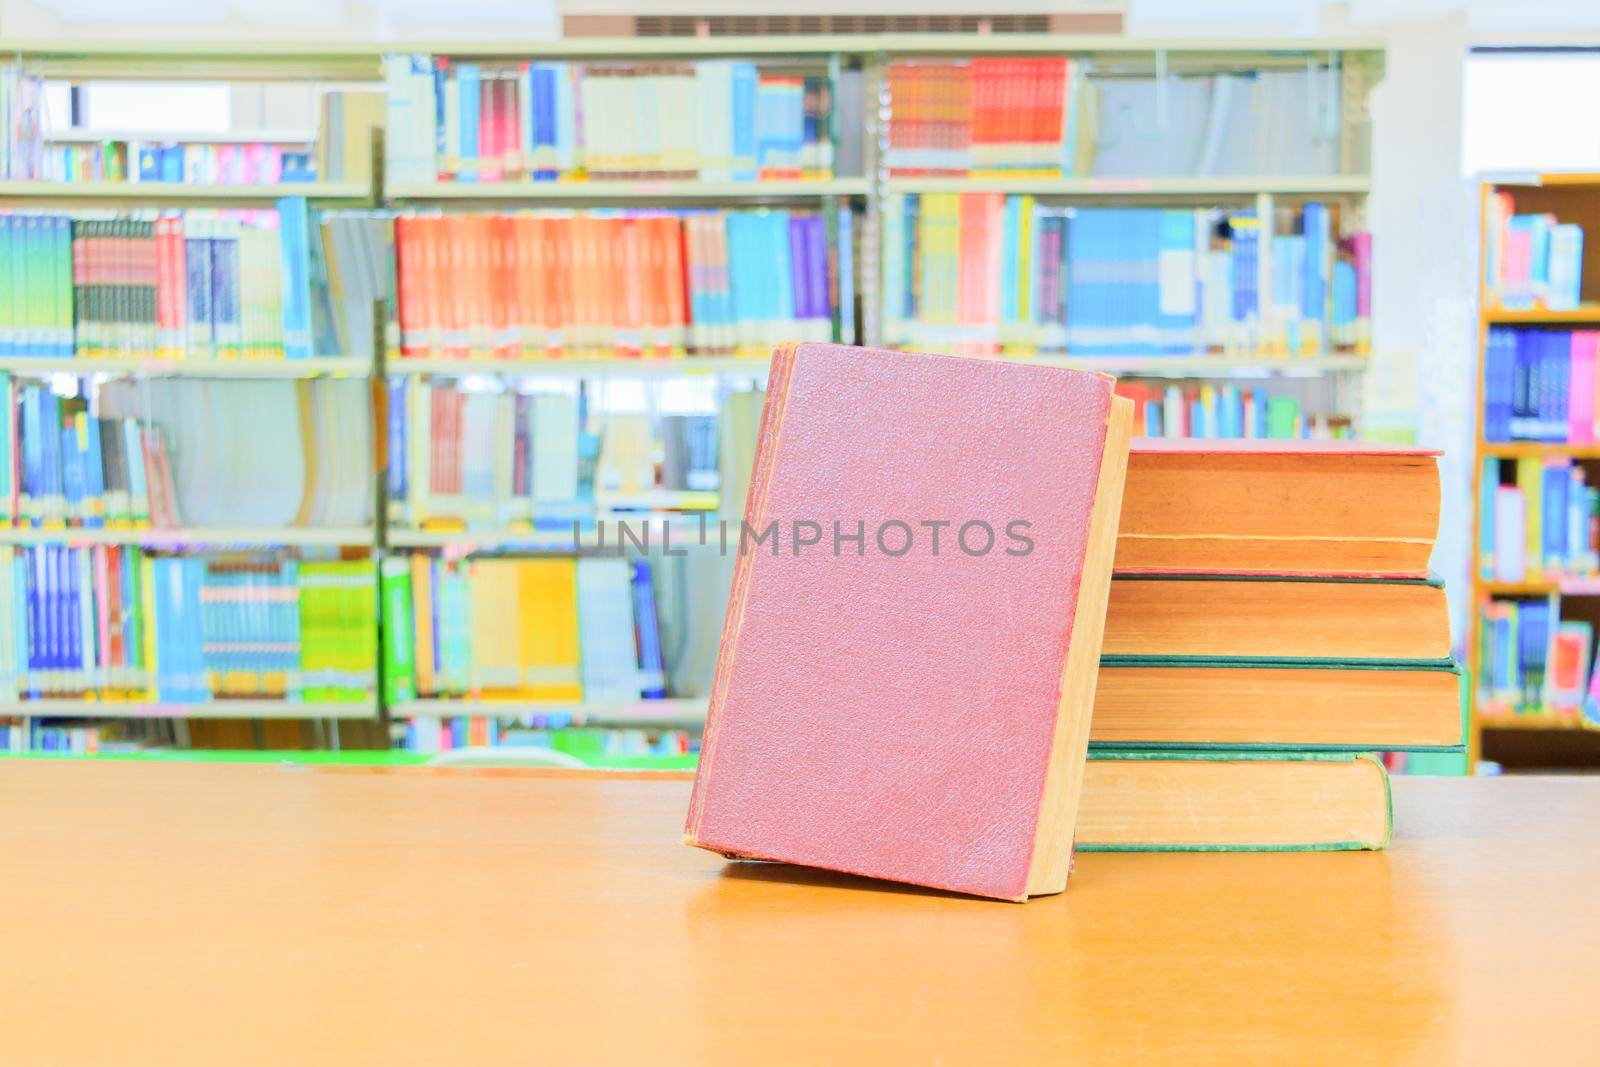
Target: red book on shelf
(1279, 507)
(911, 711)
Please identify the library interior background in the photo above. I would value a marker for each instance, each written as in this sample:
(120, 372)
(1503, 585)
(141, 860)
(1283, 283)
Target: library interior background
(346, 352)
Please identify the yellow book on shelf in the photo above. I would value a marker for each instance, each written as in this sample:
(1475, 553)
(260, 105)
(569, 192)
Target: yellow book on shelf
(147, 632)
(1530, 479)
(422, 620)
(494, 585)
(547, 594)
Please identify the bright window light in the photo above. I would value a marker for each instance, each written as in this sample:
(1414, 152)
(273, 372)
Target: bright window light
(1519, 108)
(189, 107)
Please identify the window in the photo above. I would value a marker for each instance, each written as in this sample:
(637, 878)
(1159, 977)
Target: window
(1520, 110)
(187, 107)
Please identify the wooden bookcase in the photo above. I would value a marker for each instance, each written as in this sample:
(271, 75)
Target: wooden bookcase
(1360, 63)
(1533, 737)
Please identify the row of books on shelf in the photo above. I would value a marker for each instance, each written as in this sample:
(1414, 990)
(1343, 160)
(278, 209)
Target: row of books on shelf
(534, 285)
(1541, 385)
(715, 120)
(521, 629)
(441, 733)
(1055, 117)
(117, 623)
(28, 151)
(67, 467)
(1224, 412)
(232, 163)
(42, 735)
(1538, 518)
(197, 284)
(166, 454)
(1532, 662)
(988, 273)
(493, 460)
(1530, 261)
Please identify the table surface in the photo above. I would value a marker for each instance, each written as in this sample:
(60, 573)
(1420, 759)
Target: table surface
(198, 914)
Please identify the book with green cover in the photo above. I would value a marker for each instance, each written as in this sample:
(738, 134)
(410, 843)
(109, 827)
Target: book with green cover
(1244, 703)
(1233, 801)
(399, 665)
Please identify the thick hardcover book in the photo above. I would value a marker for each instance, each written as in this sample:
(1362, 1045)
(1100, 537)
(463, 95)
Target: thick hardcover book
(1283, 703)
(1233, 802)
(891, 707)
(1261, 615)
(1279, 507)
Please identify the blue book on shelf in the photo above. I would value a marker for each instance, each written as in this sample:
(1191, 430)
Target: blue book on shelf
(1246, 258)
(781, 289)
(1315, 224)
(652, 669)
(172, 164)
(744, 119)
(298, 167)
(1553, 521)
(199, 333)
(94, 473)
(1177, 310)
(564, 116)
(149, 163)
(467, 82)
(294, 221)
(71, 615)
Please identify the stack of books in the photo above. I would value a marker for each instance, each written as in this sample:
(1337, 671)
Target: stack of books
(1271, 623)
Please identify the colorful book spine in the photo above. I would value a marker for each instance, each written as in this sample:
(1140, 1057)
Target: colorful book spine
(612, 285)
(197, 284)
(1530, 260)
(541, 630)
(1226, 411)
(63, 466)
(474, 460)
(116, 623)
(1006, 117)
(1534, 665)
(986, 274)
(431, 734)
(1540, 385)
(1539, 520)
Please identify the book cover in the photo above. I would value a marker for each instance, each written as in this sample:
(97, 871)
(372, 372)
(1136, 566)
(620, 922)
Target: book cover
(843, 676)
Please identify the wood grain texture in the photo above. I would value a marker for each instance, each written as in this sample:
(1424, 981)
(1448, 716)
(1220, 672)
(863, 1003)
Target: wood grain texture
(196, 914)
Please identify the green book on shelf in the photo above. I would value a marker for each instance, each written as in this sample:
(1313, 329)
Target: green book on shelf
(1260, 703)
(399, 664)
(1233, 801)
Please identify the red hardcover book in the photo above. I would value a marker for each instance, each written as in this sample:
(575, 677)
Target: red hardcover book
(1279, 507)
(898, 709)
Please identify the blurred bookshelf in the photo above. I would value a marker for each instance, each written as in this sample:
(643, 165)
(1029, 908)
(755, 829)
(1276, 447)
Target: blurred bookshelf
(660, 387)
(1536, 576)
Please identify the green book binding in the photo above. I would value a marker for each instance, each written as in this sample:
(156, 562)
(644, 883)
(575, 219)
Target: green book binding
(1233, 801)
(399, 665)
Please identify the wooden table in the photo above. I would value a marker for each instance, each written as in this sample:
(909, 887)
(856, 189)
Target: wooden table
(229, 915)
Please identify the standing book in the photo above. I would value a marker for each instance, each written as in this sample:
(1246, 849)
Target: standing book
(890, 705)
